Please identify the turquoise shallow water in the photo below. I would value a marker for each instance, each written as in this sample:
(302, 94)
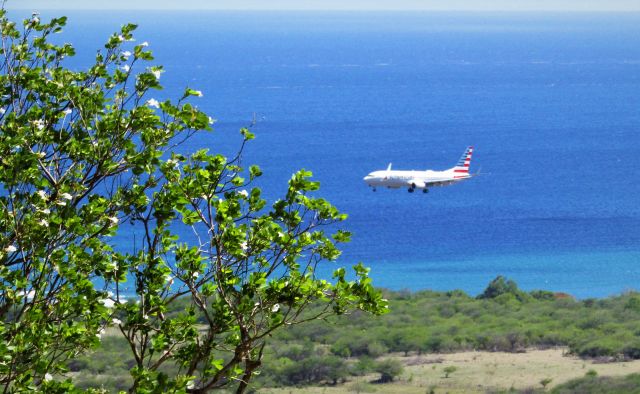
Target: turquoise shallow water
(550, 101)
(579, 274)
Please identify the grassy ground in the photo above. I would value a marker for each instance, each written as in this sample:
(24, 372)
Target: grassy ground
(444, 327)
(478, 372)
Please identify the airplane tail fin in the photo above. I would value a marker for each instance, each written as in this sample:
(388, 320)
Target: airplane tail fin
(462, 167)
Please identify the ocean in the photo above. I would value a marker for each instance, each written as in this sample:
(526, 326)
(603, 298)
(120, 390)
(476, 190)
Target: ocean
(551, 103)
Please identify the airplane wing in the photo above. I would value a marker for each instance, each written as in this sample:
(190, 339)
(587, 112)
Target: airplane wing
(426, 183)
(439, 183)
(445, 182)
(421, 183)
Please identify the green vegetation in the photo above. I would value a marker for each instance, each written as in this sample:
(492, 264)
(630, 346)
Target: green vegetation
(545, 382)
(629, 384)
(449, 370)
(83, 151)
(433, 322)
(335, 351)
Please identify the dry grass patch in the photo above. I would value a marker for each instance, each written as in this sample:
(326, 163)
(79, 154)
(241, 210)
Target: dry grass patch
(478, 372)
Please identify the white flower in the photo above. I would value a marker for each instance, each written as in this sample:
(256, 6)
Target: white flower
(117, 321)
(10, 249)
(41, 154)
(244, 193)
(275, 308)
(2, 111)
(114, 220)
(42, 194)
(122, 301)
(144, 44)
(43, 223)
(100, 333)
(67, 111)
(211, 120)
(35, 20)
(47, 377)
(61, 203)
(126, 68)
(197, 93)
(156, 72)
(107, 302)
(195, 275)
(153, 103)
(39, 124)
(126, 54)
(120, 37)
(66, 196)
(30, 294)
(244, 245)
(169, 279)
(46, 211)
(172, 163)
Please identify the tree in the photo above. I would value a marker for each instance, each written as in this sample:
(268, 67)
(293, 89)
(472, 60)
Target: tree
(85, 151)
(315, 369)
(388, 369)
(449, 370)
(501, 286)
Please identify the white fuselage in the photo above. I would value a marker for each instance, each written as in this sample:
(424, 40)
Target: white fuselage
(413, 180)
(417, 179)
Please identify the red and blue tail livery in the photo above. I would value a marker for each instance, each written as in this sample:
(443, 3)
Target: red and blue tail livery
(462, 167)
(394, 179)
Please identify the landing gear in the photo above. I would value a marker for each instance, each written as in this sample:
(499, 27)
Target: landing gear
(411, 190)
(374, 189)
(425, 190)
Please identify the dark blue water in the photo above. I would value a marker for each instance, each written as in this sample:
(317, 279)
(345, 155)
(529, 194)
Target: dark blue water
(550, 101)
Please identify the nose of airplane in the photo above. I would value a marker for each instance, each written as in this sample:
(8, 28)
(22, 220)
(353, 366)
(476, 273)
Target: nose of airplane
(367, 178)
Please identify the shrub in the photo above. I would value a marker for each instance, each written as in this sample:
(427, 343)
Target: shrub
(363, 366)
(388, 369)
(449, 370)
(594, 384)
(362, 387)
(603, 347)
(542, 295)
(632, 351)
(500, 286)
(316, 369)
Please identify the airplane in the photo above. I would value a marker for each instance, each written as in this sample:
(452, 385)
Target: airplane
(394, 179)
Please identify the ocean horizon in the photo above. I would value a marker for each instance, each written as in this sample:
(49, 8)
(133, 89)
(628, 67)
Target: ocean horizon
(550, 101)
